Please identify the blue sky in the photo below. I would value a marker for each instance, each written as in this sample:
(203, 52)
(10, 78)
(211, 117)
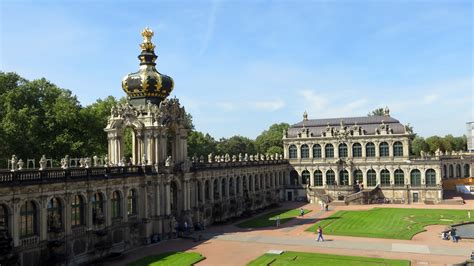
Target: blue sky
(240, 66)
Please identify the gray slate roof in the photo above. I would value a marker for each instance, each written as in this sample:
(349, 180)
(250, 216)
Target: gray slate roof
(367, 123)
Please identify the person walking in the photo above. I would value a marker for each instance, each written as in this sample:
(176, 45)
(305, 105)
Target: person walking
(301, 212)
(320, 234)
(278, 221)
(453, 235)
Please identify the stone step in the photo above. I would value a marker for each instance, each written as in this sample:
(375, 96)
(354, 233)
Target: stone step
(337, 203)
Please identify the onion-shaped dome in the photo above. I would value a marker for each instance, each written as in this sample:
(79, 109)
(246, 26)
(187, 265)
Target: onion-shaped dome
(147, 84)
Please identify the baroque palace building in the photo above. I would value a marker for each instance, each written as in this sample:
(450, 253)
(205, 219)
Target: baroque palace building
(78, 213)
(333, 158)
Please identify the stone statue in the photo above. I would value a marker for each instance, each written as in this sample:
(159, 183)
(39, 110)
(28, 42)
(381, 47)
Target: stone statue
(43, 162)
(285, 133)
(106, 161)
(251, 158)
(63, 163)
(81, 162)
(272, 157)
(240, 157)
(144, 160)
(96, 160)
(169, 162)
(209, 158)
(20, 164)
(14, 162)
(262, 157)
(227, 157)
(281, 156)
(246, 157)
(87, 162)
(216, 158)
(234, 158)
(201, 159)
(123, 162)
(437, 152)
(422, 154)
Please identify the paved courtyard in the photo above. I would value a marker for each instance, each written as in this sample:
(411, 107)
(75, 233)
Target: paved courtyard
(230, 245)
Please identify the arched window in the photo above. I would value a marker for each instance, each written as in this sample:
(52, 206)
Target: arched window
(445, 171)
(458, 170)
(344, 178)
(116, 206)
(316, 151)
(384, 178)
(28, 219)
(224, 187)
(330, 177)
(4, 217)
(430, 178)
(356, 150)
(77, 211)
(238, 185)
(304, 151)
(293, 177)
(399, 178)
(305, 177)
(451, 171)
(293, 151)
(371, 178)
(415, 178)
(342, 150)
(98, 208)
(383, 149)
(231, 187)
(467, 170)
(216, 190)
(318, 178)
(370, 149)
(55, 217)
(329, 151)
(207, 190)
(397, 149)
(199, 191)
(358, 177)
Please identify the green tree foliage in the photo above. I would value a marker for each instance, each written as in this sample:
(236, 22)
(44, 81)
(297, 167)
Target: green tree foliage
(271, 138)
(376, 112)
(275, 149)
(236, 145)
(447, 143)
(419, 144)
(200, 144)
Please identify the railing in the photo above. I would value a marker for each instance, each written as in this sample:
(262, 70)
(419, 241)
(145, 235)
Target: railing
(354, 196)
(214, 165)
(29, 241)
(56, 175)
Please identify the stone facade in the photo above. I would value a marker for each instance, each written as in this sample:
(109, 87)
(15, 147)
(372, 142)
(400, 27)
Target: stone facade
(333, 156)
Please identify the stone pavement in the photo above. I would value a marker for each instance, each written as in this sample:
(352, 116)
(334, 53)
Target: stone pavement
(230, 245)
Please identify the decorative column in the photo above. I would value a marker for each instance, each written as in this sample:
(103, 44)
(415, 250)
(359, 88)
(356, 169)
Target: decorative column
(67, 213)
(185, 195)
(364, 154)
(124, 204)
(43, 218)
(168, 198)
(108, 207)
(15, 231)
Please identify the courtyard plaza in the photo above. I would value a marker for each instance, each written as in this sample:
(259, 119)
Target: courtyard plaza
(231, 245)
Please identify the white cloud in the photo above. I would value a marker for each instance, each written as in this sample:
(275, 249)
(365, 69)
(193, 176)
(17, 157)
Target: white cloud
(430, 98)
(211, 22)
(316, 102)
(226, 106)
(268, 105)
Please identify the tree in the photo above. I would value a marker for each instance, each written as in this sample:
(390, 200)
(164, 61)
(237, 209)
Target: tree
(273, 137)
(200, 144)
(236, 145)
(377, 112)
(434, 143)
(275, 149)
(419, 144)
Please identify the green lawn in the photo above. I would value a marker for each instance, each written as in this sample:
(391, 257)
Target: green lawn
(302, 258)
(269, 218)
(387, 222)
(169, 258)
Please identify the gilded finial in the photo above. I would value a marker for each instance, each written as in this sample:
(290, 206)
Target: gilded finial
(147, 34)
